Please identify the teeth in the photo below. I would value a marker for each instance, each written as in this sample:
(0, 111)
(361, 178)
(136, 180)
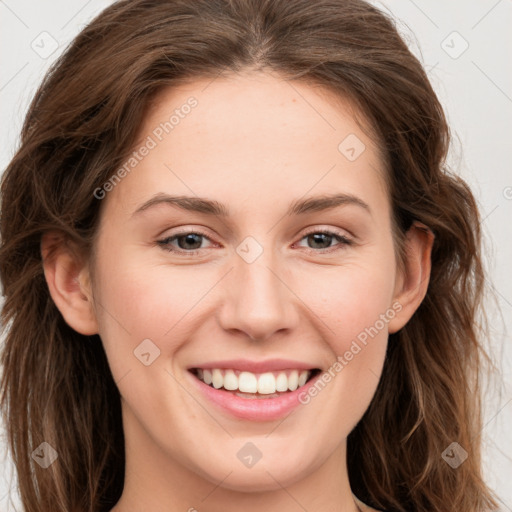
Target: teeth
(207, 376)
(302, 379)
(293, 380)
(230, 380)
(247, 382)
(266, 384)
(282, 382)
(217, 379)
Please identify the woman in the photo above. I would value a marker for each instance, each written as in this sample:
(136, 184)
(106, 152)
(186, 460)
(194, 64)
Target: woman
(256, 369)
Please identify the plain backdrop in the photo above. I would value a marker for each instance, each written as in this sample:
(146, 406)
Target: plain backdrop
(466, 47)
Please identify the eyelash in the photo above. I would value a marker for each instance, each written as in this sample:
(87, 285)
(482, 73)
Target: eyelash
(165, 242)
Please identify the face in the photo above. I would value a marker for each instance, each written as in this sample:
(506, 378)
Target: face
(276, 284)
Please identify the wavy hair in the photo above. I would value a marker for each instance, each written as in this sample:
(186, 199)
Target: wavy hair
(56, 384)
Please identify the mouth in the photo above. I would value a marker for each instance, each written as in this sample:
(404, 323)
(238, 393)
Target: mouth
(249, 385)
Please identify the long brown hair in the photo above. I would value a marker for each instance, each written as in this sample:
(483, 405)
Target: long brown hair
(56, 384)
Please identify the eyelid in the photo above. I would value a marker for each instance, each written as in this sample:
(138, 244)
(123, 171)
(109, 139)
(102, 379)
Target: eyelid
(182, 232)
(343, 240)
(335, 232)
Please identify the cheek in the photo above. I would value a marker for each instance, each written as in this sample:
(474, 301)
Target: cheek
(352, 299)
(140, 300)
(357, 338)
(356, 306)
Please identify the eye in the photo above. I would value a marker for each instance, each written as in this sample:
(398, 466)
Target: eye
(324, 238)
(189, 242)
(185, 240)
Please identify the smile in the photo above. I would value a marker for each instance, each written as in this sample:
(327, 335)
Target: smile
(264, 394)
(254, 385)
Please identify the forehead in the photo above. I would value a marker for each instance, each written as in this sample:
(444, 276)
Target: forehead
(251, 134)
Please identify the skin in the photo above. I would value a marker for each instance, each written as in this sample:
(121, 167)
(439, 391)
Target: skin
(255, 143)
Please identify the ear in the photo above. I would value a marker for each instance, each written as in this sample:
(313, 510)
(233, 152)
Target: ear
(69, 283)
(412, 281)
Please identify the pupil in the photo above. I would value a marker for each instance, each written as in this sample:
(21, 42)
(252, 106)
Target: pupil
(316, 235)
(189, 239)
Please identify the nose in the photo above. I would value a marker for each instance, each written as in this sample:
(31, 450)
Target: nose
(259, 299)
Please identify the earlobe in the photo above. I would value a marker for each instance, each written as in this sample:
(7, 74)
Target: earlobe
(412, 281)
(69, 283)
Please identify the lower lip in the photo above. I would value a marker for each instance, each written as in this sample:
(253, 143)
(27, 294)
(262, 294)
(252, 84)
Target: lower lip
(254, 409)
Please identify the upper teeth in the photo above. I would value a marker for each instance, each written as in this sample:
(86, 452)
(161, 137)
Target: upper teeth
(248, 382)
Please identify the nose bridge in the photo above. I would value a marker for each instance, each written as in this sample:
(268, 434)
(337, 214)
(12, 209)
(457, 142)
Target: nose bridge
(260, 302)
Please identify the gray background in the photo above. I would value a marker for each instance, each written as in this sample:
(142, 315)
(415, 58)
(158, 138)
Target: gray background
(465, 47)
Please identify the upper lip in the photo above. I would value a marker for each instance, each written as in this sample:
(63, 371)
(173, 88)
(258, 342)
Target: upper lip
(269, 365)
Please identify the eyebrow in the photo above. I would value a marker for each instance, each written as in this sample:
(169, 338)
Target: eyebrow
(212, 207)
